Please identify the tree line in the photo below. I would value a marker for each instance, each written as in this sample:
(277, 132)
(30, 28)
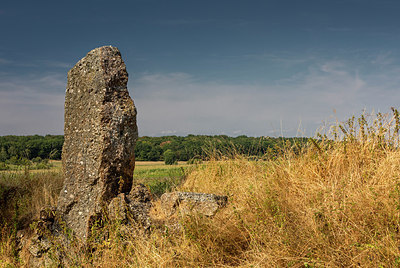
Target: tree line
(203, 147)
(174, 148)
(17, 148)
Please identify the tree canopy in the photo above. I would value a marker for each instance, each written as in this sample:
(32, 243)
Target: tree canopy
(154, 148)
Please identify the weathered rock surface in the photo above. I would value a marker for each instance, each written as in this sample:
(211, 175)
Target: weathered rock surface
(100, 133)
(45, 236)
(187, 202)
(132, 208)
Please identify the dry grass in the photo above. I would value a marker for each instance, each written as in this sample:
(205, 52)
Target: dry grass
(22, 195)
(335, 203)
(324, 210)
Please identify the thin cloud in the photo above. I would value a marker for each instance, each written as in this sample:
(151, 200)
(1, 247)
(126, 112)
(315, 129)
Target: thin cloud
(177, 22)
(383, 59)
(282, 58)
(213, 21)
(23, 113)
(180, 102)
(32, 105)
(50, 82)
(5, 61)
(168, 132)
(57, 64)
(334, 67)
(339, 29)
(36, 63)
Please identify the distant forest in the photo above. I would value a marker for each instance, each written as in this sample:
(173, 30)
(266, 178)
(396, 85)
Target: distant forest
(187, 148)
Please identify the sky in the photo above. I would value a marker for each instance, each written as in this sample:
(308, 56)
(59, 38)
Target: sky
(211, 67)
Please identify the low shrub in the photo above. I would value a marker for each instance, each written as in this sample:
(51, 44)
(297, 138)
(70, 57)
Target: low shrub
(4, 166)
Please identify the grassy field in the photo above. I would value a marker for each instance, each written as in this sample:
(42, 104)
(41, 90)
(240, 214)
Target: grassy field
(160, 178)
(157, 176)
(156, 169)
(53, 165)
(334, 203)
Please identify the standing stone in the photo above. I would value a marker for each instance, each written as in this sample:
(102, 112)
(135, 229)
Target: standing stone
(100, 133)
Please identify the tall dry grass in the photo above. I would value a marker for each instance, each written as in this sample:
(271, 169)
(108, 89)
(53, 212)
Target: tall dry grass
(333, 203)
(22, 195)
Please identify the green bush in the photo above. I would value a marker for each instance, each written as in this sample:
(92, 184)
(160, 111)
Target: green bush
(194, 161)
(159, 186)
(42, 165)
(13, 161)
(37, 159)
(170, 157)
(4, 166)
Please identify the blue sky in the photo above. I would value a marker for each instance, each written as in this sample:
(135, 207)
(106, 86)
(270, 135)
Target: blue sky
(256, 68)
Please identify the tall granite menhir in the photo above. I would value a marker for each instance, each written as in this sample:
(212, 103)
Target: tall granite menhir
(100, 133)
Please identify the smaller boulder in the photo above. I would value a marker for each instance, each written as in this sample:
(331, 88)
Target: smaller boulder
(118, 207)
(188, 202)
(140, 204)
(39, 246)
(46, 236)
(133, 206)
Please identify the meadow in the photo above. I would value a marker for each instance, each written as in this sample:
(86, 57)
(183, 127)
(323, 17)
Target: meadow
(332, 203)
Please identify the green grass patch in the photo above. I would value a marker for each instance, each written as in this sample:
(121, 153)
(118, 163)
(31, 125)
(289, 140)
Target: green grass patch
(159, 172)
(160, 179)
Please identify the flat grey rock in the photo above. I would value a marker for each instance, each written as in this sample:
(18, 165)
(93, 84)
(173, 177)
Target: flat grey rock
(188, 202)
